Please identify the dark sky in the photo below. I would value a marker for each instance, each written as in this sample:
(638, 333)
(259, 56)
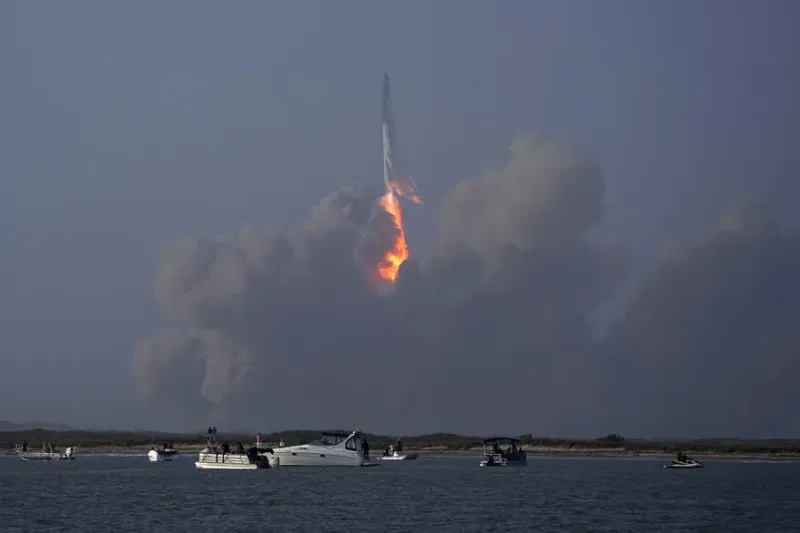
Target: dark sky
(608, 240)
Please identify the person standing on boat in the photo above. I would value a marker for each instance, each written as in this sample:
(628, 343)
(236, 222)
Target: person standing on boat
(399, 445)
(365, 449)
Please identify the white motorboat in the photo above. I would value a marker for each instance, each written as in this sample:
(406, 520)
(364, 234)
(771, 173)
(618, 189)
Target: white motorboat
(332, 449)
(395, 452)
(216, 458)
(399, 456)
(48, 453)
(495, 455)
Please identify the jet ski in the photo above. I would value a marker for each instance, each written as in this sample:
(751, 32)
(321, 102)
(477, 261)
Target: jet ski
(688, 463)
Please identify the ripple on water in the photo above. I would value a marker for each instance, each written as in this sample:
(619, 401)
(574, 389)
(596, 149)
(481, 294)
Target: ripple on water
(431, 494)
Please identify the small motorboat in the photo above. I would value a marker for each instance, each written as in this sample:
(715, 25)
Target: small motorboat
(687, 463)
(395, 452)
(48, 453)
(399, 456)
(164, 452)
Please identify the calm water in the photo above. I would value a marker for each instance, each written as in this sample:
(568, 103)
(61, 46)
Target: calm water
(96, 493)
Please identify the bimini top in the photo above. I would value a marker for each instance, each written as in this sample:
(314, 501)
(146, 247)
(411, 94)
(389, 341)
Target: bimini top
(501, 439)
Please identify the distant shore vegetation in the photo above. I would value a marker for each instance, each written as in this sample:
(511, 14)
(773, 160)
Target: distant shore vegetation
(437, 441)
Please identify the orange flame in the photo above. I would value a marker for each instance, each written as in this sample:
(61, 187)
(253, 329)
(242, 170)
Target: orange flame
(398, 253)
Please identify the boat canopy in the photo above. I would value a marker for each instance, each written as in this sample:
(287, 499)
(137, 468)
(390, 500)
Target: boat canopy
(501, 439)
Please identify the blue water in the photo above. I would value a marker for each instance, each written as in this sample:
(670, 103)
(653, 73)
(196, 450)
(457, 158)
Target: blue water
(100, 493)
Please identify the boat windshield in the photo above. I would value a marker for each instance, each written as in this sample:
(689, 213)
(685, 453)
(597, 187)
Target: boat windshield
(330, 439)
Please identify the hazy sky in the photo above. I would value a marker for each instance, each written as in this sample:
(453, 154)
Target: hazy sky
(124, 127)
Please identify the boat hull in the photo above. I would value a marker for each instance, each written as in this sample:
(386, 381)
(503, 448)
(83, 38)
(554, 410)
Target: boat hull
(226, 466)
(503, 461)
(317, 457)
(40, 456)
(68, 455)
(229, 461)
(685, 465)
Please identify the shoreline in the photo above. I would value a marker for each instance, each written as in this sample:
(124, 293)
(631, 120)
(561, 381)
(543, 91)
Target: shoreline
(534, 451)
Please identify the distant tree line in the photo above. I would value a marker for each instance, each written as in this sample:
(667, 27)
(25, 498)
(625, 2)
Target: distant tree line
(442, 441)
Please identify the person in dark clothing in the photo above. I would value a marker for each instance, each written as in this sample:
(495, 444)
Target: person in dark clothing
(226, 448)
(240, 448)
(365, 448)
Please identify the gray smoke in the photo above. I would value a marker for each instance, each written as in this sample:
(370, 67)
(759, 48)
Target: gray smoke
(710, 345)
(493, 315)
(488, 330)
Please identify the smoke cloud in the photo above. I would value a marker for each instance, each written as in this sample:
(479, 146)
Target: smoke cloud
(710, 345)
(486, 331)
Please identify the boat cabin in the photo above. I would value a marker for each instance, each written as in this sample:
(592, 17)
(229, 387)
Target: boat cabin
(352, 441)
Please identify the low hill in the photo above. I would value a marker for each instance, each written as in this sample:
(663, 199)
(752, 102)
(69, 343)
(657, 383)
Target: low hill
(6, 426)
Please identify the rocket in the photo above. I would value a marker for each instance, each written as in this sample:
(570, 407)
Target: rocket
(403, 186)
(388, 132)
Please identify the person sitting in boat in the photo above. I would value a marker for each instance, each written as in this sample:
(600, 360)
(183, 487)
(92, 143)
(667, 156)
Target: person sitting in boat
(240, 448)
(682, 457)
(495, 447)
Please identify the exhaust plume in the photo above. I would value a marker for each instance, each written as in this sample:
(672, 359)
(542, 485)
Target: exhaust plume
(396, 187)
(292, 317)
(487, 331)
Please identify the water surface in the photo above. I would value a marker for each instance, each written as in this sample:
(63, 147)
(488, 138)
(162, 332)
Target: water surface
(101, 493)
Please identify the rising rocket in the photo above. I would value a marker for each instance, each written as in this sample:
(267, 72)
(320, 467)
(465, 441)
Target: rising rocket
(400, 185)
(388, 132)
